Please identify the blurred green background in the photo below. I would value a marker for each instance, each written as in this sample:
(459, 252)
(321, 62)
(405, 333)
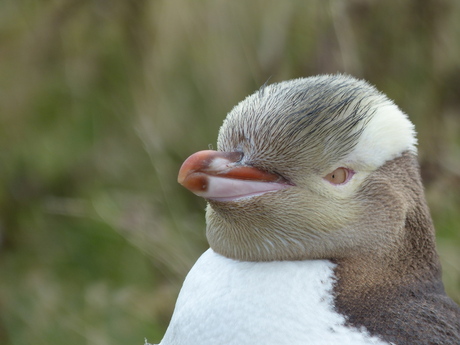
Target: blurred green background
(101, 101)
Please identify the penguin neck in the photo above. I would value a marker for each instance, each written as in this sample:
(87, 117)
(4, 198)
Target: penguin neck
(379, 288)
(410, 255)
(415, 260)
(414, 264)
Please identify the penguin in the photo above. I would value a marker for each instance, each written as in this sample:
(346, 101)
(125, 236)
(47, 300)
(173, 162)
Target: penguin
(318, 227)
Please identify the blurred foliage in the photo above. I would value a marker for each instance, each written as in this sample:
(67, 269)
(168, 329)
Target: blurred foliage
(101, 101)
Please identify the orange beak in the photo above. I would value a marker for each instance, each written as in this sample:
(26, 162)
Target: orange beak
(221, 176)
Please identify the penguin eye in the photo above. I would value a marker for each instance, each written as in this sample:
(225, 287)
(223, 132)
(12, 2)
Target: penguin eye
(339, 176)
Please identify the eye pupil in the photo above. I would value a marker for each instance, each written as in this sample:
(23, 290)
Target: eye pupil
(339, 176)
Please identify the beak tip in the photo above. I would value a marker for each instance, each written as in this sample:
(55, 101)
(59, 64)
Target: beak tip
(191, 172)
(182, 175)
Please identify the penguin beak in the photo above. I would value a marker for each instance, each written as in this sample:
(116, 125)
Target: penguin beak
(221, 176)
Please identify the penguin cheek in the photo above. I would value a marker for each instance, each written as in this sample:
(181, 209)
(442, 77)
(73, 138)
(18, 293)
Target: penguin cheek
(286, 226)
(380, 220)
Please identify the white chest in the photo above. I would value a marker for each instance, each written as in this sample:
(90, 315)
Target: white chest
(224, 301)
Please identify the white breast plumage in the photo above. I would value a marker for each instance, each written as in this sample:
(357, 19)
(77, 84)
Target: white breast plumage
(224, 301)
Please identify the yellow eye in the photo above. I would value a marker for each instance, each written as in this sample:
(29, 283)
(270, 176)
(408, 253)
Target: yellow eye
(338, 176)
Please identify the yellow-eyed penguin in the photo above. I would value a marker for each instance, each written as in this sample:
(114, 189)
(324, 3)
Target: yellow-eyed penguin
(317, 223)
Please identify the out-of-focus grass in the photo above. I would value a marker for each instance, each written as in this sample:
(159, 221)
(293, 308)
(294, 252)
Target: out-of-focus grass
(102, 100)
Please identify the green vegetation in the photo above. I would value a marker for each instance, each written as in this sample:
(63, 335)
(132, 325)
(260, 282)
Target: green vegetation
(101, 101)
